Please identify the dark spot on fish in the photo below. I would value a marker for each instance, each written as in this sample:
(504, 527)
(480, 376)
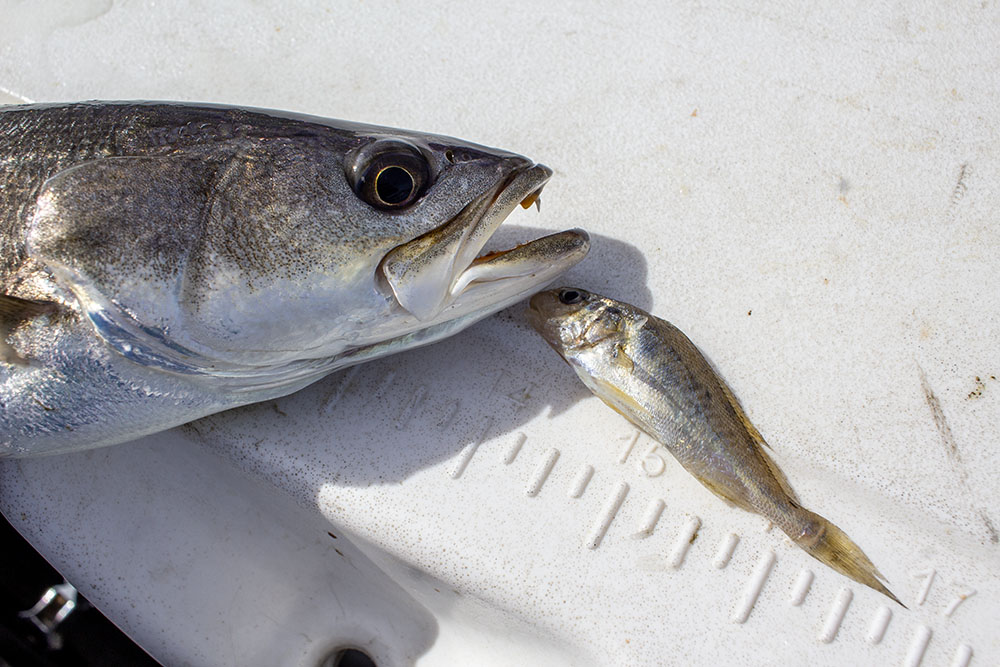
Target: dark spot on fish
(339, 552)
(694, 535)
(274, 406)
(749, 312)
(44, 407)
(331, 535)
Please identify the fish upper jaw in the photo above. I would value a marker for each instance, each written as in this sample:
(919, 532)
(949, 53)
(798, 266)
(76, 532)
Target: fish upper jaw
(428, 274)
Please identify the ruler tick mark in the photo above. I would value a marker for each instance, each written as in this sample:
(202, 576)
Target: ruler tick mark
(463, 459)
(653, 512)
(414, 403)
(756, 584)
(918, 646)
(683, 543)
(607, 515)
(963, 654)
(801, 588)
(469, 451)
(515, 448)
(581, 481)
(880, 621)
(836, 616)
(726, 549)
(386, 382)
(542, 472)
(345, 380)
(449, 413)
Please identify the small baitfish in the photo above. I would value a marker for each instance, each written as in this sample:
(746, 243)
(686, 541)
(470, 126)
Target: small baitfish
(160, 262)
(652, 374)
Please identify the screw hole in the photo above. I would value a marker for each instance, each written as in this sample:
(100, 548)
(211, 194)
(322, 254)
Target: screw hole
(348, 657)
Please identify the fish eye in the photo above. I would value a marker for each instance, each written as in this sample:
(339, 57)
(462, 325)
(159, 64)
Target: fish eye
(571, 296)
(392, 178)
(394, 185)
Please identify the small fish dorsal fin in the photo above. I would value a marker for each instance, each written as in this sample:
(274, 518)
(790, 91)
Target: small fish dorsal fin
(13, 311)
(758, 440)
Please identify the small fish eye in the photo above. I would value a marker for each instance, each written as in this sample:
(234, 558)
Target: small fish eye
(571, 296)
(392, 178)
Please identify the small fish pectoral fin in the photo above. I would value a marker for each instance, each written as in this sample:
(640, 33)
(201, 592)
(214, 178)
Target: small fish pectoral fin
(616, 399)
(623, 359)
(14, 311)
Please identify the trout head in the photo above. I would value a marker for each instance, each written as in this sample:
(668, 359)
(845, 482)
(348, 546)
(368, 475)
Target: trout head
(262, 249)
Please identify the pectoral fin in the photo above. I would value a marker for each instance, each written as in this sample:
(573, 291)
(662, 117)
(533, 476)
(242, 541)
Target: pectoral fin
(14, 311)
(623, 359)
(615, 398)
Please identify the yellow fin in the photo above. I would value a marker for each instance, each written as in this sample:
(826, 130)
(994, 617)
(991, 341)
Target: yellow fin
(758, 440)
(733, 401)
(828, 544)
(623, 360)
(616, 399)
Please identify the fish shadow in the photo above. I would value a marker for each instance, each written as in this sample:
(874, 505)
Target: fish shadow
(382, 421)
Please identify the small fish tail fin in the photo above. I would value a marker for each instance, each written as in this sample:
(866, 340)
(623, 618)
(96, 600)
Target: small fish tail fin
(827, 543)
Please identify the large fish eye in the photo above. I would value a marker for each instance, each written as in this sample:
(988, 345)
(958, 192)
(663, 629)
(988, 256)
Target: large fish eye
(393, 178)
(571, 296)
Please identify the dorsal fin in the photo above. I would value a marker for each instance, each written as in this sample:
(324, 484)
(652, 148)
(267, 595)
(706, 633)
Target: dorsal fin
(758, 439)
(13, 311)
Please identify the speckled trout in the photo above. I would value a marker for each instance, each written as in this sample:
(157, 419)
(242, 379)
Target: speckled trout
(160, 262)
(652, 374)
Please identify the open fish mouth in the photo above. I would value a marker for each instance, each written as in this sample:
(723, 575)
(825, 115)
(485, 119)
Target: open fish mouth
(445, 270)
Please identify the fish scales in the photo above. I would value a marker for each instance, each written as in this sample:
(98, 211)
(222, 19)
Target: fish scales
(651, 373)
(164, 261)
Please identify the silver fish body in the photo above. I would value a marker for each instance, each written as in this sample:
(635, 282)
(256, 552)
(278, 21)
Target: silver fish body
(160, 262)
(652, 374)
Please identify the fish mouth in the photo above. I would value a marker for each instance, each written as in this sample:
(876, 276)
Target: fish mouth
(443, 270)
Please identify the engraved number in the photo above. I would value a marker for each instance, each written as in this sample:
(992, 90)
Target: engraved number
(653, 463)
